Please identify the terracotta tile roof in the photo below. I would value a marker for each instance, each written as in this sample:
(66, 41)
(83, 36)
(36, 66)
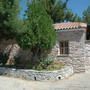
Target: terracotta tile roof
(69, 25)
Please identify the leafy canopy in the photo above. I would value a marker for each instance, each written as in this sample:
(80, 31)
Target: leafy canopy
(9, 23)
(58, 11)
(86, 15)
(39, 34)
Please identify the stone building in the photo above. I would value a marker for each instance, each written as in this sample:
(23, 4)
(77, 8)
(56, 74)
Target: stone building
(73, 45)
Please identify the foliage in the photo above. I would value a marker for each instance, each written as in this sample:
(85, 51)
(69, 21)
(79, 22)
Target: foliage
(49, 65)
(3, 58)
(86, 15)
(56, 65)
(70, 16)
(58, 11)
(39, 34)
(44, 64)
(9, 23)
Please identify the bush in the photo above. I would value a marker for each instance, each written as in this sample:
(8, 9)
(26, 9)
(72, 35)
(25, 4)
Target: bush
(3, 58)
(56, 65)
(49, 64)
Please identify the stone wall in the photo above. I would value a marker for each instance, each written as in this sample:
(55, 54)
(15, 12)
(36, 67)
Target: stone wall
(76, 56)
(37, 75)
(87, 55)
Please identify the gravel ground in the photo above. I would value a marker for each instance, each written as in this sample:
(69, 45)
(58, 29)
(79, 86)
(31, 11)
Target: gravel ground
(76, 82)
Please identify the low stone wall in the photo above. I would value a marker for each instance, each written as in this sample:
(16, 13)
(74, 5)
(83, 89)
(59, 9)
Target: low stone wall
(37, 75)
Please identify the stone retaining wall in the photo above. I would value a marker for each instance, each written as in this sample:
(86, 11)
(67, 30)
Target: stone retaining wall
(37, 75)
(87, 55)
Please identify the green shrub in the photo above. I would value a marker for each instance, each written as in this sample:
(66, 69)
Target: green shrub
(3, 58)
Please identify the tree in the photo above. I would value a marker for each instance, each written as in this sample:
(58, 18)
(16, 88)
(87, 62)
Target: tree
(59, 12)
(39, 34)
(9, 22)
(56, 9)
(86, 15)
(70, 16)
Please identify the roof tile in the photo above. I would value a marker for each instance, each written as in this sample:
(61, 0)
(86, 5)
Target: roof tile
(69, 25)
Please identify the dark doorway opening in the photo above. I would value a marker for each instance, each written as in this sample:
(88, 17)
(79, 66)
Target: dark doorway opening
(88, 32)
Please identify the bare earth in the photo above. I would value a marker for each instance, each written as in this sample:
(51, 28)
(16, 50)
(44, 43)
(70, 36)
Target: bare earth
(75, 82)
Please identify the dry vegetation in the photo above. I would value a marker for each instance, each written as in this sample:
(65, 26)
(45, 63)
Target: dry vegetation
(55, 65)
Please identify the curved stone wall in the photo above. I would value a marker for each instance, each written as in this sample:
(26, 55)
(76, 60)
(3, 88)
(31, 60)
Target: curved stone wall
(37, 75)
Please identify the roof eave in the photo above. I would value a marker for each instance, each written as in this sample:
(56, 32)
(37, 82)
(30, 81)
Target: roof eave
(75, 29)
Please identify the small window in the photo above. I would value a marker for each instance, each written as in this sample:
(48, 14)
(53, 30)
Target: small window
(64, 47)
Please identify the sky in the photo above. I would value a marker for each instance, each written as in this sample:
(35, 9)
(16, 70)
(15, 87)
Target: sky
(23, 6)
(77, 6)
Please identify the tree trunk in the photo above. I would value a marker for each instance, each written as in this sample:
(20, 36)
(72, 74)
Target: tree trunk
(35, 59)
(9, 61)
